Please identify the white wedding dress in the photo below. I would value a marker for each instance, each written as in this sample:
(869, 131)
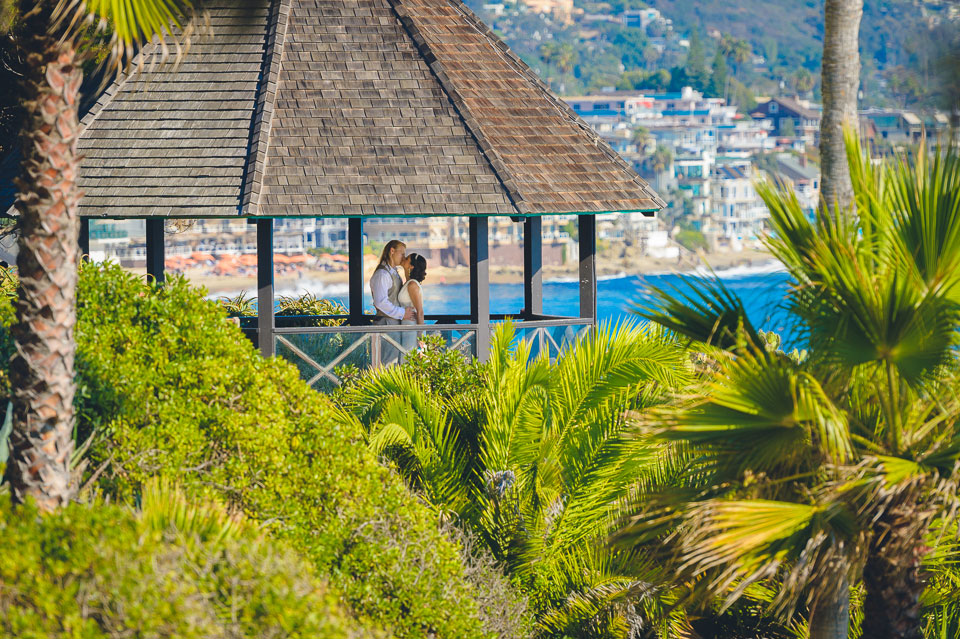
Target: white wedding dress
(408, 339)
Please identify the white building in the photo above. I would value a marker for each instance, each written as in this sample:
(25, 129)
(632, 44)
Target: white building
(640, 18)
(693, 175)
(737, 207)
(745, 136)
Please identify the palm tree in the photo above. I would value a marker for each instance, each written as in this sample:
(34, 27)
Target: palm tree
(737, 50)
(661, 159)
(840, 82)
(802, 81)
(641, 136)
(537, 463)
(830, 466)
(51, 34)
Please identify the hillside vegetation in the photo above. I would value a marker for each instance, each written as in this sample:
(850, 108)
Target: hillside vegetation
(169, 390)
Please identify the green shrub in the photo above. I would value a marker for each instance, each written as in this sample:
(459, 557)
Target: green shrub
(170, 388)
(692, 240)
(240, 305)
(309, 304)
(170, 569)
(443, 372)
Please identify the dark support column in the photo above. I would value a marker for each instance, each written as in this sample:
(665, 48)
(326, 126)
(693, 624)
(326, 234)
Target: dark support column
(532, 266)
(587, 230)
(155, 249)
(265, 320)
(84, 239)
(355, 277)
(480, 285)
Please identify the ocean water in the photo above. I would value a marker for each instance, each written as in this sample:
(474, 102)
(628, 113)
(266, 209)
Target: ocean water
(762, 290)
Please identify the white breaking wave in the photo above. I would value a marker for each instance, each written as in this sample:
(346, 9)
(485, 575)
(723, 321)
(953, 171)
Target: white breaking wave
(770, 266)
(316, 287)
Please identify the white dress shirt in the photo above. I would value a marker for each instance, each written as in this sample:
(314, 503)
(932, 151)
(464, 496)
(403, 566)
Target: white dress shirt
(380, 284)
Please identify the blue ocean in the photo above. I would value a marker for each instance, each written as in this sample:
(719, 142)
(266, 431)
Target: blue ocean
(762, 292)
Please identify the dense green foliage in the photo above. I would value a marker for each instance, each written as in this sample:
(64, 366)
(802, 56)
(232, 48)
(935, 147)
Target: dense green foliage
(170, 568)
(170, 388)
(835, 465)
(533, 457)
(443, 373)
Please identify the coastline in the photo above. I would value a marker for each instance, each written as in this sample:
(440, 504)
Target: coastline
(334, 283)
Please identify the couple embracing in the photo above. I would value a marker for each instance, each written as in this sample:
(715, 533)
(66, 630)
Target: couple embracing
(399, 301)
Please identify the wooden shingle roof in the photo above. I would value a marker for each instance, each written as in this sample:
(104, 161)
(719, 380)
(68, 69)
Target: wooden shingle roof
(174, 142)
(346, 107)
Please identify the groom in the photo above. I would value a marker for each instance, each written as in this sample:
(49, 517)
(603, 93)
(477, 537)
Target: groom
(385, 285)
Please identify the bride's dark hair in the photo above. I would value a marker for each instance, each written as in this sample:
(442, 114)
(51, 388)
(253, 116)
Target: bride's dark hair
(418, 267)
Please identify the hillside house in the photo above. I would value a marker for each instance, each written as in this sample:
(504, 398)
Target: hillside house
(791, 117)
(737, 207)
(803, 178)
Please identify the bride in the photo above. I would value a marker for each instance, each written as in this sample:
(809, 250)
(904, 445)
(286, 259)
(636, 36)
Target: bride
(411, 295)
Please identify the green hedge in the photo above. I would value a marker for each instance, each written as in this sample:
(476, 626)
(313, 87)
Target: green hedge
(172, 569)
(170, 388)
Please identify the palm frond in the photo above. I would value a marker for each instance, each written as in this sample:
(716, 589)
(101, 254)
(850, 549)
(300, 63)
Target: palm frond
(699, 308)
(761, 412)
(733, 544)
(133, 24)
(165, 508)
(925, 203)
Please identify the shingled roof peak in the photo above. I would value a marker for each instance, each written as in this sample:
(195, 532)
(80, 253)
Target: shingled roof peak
(346, 107)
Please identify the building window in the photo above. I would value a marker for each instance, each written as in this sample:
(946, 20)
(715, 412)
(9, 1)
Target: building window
(773, 107)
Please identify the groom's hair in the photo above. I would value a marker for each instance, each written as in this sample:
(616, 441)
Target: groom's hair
(385, 256)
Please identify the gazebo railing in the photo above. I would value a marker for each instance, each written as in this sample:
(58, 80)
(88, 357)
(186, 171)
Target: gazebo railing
(552, 336)
(324, 354)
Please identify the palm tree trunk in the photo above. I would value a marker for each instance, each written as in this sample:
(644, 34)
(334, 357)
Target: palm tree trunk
(840, 79)
(830, 618)
(892, 575)
(42, 372)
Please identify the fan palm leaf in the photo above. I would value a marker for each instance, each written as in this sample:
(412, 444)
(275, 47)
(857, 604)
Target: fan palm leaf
(543, 458)
(802, 464)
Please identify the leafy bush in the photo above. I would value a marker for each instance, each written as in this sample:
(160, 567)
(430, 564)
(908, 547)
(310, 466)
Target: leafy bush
(170, 569)
(443, 372)
(169, 388)
(309, 304)
(240, 305)
(692, 240)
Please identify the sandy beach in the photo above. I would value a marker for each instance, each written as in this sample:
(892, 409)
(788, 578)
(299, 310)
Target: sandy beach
(315, 279)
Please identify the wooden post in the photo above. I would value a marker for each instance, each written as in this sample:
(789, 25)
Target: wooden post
(355, 275)
(84, 239)
(480, 285)
(155, 251)
(532, 266)
(587, 230)
(265, 311)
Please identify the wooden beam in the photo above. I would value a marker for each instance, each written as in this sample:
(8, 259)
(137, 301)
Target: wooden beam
(265, 312)
(84, 238)
(355, 275)
(480, 285)
(587, 232)
(532, 266)
(155, 250)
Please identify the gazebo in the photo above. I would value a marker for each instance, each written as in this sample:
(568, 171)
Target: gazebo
(354, 109)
